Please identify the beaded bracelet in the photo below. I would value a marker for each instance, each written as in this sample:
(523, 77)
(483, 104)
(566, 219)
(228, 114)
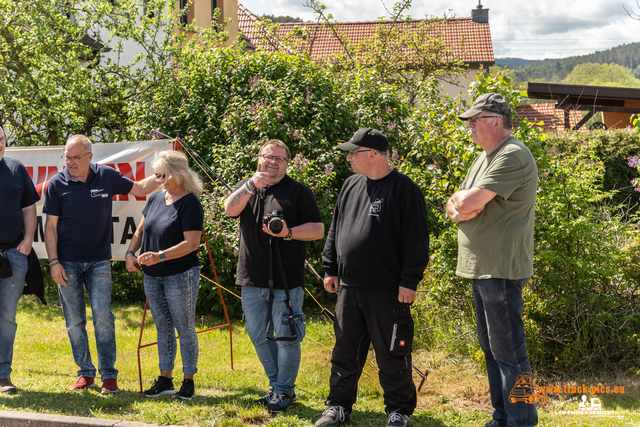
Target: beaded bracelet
(52, 260)
(54, 263)
(129, 253)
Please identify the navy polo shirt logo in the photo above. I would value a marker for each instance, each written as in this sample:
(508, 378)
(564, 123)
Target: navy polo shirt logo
(96, 192)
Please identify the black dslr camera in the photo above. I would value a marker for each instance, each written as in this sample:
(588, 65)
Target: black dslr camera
(273, 221)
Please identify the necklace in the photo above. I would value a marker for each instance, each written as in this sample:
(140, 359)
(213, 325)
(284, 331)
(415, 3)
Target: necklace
(170, 199)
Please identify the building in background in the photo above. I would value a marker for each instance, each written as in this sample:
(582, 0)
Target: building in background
(469, 39)
(617, 104)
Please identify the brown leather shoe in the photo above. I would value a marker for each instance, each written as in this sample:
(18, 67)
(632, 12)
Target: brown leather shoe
(6, 386)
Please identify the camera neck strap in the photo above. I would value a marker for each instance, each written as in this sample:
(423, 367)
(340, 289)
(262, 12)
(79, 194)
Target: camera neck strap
(294, 332)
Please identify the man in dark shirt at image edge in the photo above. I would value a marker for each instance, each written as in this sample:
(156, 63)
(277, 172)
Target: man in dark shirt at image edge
(374, 258)
(77, 236)
(18, 219)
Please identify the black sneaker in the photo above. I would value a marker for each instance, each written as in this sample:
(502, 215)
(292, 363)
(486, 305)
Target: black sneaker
(187, 390)
(280, 402)
(333, 416)
(396, 419)
(162, 385)
(264, 399)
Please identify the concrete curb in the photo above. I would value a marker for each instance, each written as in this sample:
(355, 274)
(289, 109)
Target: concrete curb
(33, 419)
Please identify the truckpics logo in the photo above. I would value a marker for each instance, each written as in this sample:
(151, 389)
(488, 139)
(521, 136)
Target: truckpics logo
(526, 390)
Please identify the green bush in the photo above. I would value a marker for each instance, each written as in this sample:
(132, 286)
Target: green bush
(581, 305)
(612, 147)
(225, 103)
(443, 154)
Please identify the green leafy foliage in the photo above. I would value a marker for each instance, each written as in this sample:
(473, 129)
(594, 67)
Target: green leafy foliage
(225, 103)
(62, 70)
(443, 154)
(580, 304)
(612, 148)
(401, 51)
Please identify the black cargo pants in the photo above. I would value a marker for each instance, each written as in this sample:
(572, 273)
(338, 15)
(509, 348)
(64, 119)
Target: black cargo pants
(365, 316)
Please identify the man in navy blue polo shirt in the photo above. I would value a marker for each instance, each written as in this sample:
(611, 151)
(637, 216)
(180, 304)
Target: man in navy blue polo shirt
(77, 235)
(18, 219)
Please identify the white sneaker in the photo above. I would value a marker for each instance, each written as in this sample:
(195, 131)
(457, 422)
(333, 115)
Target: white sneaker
(396, 419)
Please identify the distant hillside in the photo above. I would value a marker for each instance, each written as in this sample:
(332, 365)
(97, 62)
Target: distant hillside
(513, 62)
(281, 18)
(556, 70)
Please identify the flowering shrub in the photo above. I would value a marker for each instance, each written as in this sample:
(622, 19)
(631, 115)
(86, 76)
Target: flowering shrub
(581, 305)
(634, 162)
(225, 103)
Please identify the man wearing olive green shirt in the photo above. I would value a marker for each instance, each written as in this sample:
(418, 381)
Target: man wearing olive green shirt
(495, 211)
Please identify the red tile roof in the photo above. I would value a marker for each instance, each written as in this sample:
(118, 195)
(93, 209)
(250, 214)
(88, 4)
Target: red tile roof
(470, 41)
(552, 118)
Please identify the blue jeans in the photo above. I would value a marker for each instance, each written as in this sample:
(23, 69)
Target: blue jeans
(10, 293)
(498, 306)
(280, 359)
(172, 301)
(96, 277)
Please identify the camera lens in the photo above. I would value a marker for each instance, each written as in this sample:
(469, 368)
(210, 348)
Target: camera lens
(275, 225)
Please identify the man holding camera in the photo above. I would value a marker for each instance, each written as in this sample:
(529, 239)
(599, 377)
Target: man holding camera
(278, 215)
(374, 258)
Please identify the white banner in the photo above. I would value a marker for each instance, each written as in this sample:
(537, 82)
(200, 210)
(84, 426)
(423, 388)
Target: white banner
(131, 159)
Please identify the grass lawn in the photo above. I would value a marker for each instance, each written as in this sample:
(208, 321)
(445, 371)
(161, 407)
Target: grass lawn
(455, 394)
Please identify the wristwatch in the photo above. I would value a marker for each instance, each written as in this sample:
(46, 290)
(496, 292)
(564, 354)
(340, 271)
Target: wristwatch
(289, 235)
(162, 256)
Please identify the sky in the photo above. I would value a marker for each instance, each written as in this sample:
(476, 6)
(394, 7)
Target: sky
(528, 29)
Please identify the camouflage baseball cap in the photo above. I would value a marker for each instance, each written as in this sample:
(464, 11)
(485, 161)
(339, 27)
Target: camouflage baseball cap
(487, 102)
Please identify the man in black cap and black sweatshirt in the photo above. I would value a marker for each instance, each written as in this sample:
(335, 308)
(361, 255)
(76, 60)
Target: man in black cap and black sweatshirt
(374, 258)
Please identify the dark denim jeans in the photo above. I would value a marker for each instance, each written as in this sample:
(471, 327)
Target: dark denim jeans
(96, 277)
(172, 301)
(280, 359)
(498, 306)
(10, 293)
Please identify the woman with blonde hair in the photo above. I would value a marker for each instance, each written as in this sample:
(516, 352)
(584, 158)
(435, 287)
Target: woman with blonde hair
(169, 234)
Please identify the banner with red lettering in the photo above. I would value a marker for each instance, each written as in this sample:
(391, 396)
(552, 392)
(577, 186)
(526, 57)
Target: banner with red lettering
(132, 159)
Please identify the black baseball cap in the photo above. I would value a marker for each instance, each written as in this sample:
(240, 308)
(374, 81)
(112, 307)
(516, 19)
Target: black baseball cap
(492, 102)
(367, 137)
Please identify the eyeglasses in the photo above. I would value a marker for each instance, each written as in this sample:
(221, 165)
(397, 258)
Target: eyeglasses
(75, 158)
(270, 158)
(353, 153)
(160, 176)
(474, 120)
